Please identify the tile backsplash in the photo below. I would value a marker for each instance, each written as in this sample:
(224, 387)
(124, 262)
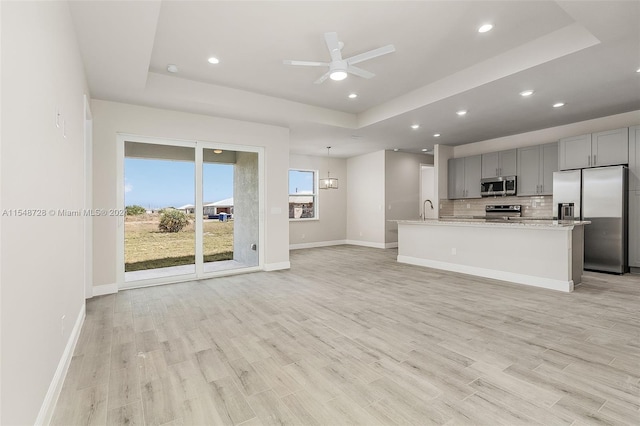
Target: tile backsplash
(537, 206)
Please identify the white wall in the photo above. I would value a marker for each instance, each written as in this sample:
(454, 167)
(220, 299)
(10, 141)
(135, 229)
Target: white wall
(551, 134)
(365, 199)
(42, 257)
(109, 118)
(402, 189)
(331, 227)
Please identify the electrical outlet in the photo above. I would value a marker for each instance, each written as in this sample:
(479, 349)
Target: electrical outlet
(453, 251)
(468, 205)
(302, 236)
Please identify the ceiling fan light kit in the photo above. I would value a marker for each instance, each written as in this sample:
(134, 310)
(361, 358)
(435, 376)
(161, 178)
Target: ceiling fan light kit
(340, 68)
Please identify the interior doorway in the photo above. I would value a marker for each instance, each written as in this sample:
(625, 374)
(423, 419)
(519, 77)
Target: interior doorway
(428, 204)
(192, 211)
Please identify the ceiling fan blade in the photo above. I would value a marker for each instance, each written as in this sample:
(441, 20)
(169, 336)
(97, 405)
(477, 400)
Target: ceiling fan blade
(323, 78)
(333, 45)
(306, 63)
(360, 72)
(371, 54)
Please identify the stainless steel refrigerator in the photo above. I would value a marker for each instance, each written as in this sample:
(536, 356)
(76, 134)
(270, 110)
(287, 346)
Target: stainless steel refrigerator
(599, 196)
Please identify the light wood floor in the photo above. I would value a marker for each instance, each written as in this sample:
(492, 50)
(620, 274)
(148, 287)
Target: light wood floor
(348, 336)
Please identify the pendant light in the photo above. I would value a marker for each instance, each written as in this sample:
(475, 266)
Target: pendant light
(328, 182)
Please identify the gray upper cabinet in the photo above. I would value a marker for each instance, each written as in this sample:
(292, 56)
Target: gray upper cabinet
(528, 170)
(464, 177)
(595, 150)
(501, 163)
(456, 178)
(610, 148)
(549, 166)
(536, 165)
(634, 158)
(575, 152)
(472, 170)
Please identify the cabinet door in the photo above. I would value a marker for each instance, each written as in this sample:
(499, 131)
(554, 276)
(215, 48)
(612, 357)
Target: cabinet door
(549, 165)
(575, 152)
(634, 229)
(456, 178)
(472, 172)
(508, 162)
(634, 158)
(610, 148)
(490, 164)
(528, 171)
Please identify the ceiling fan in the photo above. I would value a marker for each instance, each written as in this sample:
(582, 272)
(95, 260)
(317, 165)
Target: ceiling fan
(338, 67)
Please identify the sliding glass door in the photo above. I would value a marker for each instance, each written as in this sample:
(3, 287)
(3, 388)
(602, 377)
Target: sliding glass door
(193, 210)
(159, 229)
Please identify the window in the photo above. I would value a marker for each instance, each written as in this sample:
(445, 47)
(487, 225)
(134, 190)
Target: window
(303, 189)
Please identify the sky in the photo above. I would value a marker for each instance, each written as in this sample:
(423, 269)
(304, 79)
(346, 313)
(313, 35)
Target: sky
(155, 184)
(300, 182)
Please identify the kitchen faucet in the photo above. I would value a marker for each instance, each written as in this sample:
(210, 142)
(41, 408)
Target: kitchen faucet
(424, 208)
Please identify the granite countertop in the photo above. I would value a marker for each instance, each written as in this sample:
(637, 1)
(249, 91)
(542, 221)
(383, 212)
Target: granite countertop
(512, 223)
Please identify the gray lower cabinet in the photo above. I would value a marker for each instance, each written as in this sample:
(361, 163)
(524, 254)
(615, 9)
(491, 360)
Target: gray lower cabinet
(464, 177)
(634, 158)
(634, 229)
(536, 165)
(501, 163)
(607, 148)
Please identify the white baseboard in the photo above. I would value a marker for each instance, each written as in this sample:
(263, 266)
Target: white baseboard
(560, 285)
(100, 290)
(51, 398)
(277, 266)
(366, 244)
(317, 244)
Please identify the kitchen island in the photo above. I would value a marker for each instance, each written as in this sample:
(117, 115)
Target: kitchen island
(544, 254)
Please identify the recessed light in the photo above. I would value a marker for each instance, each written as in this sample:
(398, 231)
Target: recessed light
(425, 149)
(484, 28)
(558, 104)
(213, 60)
(395, 149)
(172, 68)
(526, 93)
(436, 135)
(415, 126)
(638, 70)
(461, 112)
(217, 151)
(353, 95)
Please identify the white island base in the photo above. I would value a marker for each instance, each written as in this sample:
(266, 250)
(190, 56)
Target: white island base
(543, 255)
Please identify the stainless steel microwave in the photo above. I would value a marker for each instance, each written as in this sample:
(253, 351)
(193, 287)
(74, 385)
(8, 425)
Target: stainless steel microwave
(498, 186)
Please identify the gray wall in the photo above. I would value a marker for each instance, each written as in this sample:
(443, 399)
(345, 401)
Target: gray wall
(42, 262)
(246, 208)
(402, 189)
(332, 203)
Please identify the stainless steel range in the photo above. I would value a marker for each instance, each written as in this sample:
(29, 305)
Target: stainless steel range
(502, 212)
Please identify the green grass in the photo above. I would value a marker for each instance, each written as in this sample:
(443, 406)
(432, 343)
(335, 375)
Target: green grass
(148, 248)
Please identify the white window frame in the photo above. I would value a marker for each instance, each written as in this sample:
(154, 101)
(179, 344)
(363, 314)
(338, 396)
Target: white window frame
(316, 197)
